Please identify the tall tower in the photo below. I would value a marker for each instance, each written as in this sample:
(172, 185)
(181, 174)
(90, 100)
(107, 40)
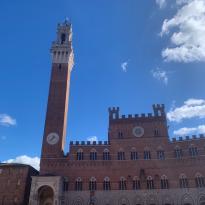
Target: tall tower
(57, 107)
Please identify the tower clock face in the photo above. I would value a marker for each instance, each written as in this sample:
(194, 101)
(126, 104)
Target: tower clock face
(52, 138)
(138, 131)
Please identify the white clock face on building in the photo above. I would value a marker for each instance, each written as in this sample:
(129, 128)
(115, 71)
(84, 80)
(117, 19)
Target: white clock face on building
(52, 138)
(138, 131)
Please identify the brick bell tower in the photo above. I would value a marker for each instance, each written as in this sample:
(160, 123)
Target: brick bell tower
(57, 107)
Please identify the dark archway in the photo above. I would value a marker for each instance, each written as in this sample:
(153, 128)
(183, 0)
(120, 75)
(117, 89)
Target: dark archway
(45, 195)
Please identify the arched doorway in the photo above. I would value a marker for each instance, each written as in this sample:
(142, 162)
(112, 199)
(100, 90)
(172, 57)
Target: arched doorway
(45, 196)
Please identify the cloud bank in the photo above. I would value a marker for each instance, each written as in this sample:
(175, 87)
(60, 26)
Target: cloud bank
(186, 32)
(24, 159)
(192, 108)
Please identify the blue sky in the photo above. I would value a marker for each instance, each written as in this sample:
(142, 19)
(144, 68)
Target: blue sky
(126, 54)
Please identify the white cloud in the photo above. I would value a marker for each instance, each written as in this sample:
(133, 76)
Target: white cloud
(160, 75)
(186, 31)
(190, 130)
(124, 66)
(92, 138)
(192, 108)
(24, 159)
(161, 3)
(6, 120)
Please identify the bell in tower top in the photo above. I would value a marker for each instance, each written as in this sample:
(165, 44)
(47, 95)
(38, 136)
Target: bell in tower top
(61, 50)
(64, 32)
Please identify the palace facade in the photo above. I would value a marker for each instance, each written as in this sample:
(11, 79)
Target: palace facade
(137, 165)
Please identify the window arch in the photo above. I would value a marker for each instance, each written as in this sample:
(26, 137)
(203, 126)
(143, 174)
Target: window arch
(80, 154)
(164, 182)
(106, 184)
(160, 153)
(78, 184)
(122, 183)
(106, 154)
(65, 184)
(121, 154)
(93, 154)
(150, 182)
(193, 151)
(147, 154)
(199, 180)
(92, 184)
(63, 38)
(135, 183)
(178, 152)
(133, 154)
(183, 181)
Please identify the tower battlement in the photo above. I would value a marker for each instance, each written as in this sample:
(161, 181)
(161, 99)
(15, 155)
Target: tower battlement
(188, 138)
(158, 111)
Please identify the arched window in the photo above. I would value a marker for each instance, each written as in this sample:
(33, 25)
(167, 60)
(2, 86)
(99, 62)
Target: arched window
(164, 182)
(122, 184)
(133, 154)
(120, 135)
(199, 179)
(156, 132)
(78, 184)
(135, 183)
(150, 183)
(193, 151)
(106, 154)
(121, 155)
(93, 154)
(80, 154)
(106, 184)
(183, 181)
(160, 154)
(178, 152)
(92, 184)
(147, 154)
(63, 37)
(65, 184)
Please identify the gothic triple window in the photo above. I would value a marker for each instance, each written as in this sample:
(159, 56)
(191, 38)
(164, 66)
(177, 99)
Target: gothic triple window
(135, 183)
(164, 182)
(199, 180)
(160, 155)
(193, 151)
(106, 154)
(122, 184)
(133, 154)
(121, 155)
(92, 184)
(65, 184)
(183, 181)
(147, 155)
(178, 152)
(150, 182)
(78, 184)
(106, 184)
(93, 154)
(80, 154)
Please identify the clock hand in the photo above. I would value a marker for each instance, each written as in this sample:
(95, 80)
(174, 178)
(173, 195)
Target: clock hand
(52, 138)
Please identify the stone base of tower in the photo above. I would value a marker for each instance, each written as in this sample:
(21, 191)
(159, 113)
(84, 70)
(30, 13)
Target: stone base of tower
(49, 191)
